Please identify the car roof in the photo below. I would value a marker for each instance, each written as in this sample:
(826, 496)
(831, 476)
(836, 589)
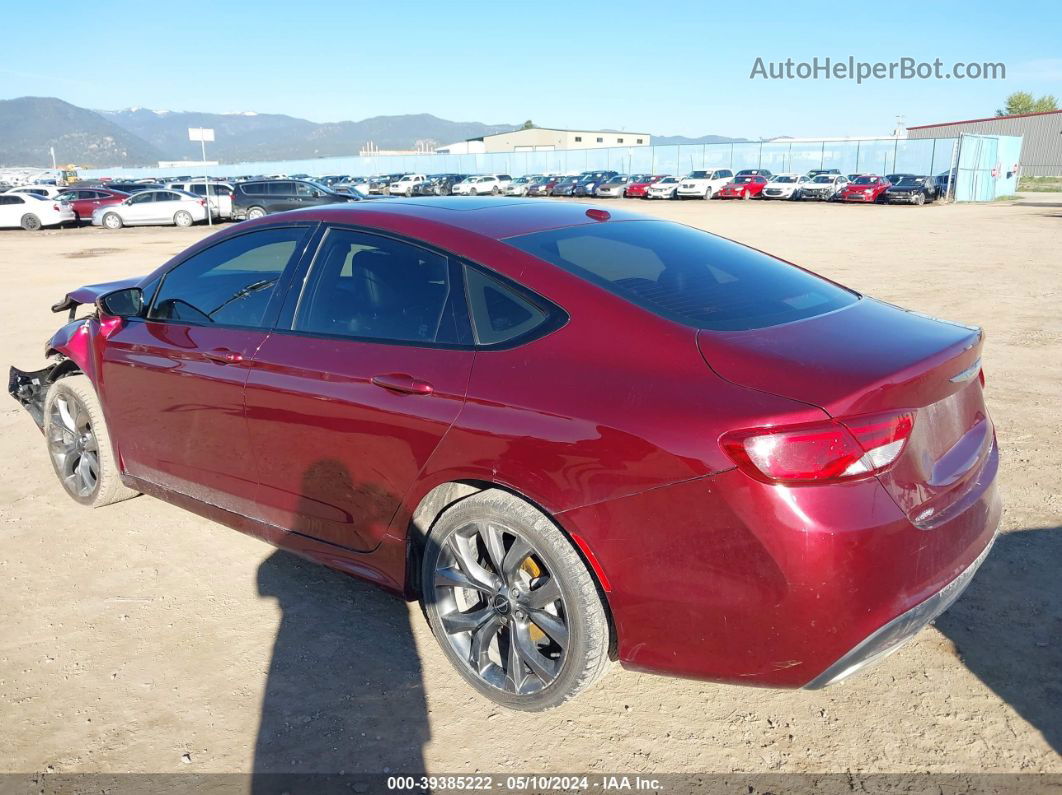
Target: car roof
(490, 217)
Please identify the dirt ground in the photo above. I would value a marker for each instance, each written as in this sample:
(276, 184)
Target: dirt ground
(142, 638)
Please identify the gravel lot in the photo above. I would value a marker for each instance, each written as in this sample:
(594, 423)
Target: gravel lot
(142, 638)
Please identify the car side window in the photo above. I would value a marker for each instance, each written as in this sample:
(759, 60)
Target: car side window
(498, 312)
(230, 283)
(142, 198)
(372, 287)
(305, 190)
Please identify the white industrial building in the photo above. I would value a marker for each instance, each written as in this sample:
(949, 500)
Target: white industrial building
(546, 139)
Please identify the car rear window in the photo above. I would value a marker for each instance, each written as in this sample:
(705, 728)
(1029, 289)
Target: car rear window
(687, 275)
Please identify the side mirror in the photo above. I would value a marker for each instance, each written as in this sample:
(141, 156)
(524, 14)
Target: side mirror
(122, 303)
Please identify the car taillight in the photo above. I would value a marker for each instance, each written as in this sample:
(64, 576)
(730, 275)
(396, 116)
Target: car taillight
(820, 452)
(203, 202)
(56, 207)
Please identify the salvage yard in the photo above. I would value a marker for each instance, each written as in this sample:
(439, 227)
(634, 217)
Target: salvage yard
(142, 638)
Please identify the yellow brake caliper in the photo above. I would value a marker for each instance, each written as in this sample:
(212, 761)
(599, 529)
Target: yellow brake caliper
(533, 570)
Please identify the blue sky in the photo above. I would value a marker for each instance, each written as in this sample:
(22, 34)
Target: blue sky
(662, 67)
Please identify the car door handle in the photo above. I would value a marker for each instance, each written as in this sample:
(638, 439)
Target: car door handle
(224, 356)
(401, 382)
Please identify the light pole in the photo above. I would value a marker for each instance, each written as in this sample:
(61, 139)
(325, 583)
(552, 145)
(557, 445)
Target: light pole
(204, 134)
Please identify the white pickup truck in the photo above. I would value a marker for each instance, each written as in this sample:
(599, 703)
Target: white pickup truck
(404, 185)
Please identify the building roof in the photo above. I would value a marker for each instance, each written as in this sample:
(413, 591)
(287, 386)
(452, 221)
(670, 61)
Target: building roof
(986, 118)
(557, 129)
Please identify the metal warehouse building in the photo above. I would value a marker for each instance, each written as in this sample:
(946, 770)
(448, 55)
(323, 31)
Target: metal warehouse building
(545, 139)
(1041, 151)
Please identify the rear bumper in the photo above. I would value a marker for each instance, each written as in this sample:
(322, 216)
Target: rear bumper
(730, 580)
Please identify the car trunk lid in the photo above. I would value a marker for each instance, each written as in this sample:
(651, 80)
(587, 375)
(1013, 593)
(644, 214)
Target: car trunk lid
(871, 357)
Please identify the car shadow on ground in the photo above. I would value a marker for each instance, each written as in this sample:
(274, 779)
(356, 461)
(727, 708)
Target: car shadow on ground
(1007, 627)
(344, 692)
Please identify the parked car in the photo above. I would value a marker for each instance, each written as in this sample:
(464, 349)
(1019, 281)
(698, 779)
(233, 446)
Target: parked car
(742, 187)
(815, 172)
(441, 185)
(703, 184)
(504, 180)
(220, 194)
(478, 186)
(519, 185)
(911, 189)
(590, 180)
(894, 178)
(784, 186)
(868, 188)
(565, 186)
(85, 201)
(789, 479)
(613, 188)
(823, 187)
(381, 184)
(254, 199)
(33, 212)
(134, 187)
(153, 208)
(663, 188)
(543, 186)
(639, 184)
(755, 172)
(43, 191)
(359, 185)
(404, 185)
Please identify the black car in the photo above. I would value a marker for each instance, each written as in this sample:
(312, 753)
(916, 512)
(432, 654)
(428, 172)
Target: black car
(911, 189)
(565, 187)
(438, 184)
(133, 187)
(262, 197)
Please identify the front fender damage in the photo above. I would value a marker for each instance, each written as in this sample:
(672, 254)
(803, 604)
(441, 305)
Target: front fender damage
(70, 348)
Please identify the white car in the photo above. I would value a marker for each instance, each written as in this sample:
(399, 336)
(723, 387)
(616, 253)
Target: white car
(663, 189)
(32, 212)
(44, 191)
(153, 207)
(478, 186)
(703, 184)
(823, 187)
(404, 185)
(784, 186)
(519, 186)
(220, 194)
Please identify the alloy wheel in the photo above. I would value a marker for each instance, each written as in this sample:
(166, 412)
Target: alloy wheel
(73, 446)
(500, 607)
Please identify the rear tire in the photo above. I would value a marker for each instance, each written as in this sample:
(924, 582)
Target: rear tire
(79, 445)
(502, 585)
(255, 212)
(112, 221)
(31, 223)
(183, 218)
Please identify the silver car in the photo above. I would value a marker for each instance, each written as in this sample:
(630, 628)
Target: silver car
(153, 207)
(613, 187)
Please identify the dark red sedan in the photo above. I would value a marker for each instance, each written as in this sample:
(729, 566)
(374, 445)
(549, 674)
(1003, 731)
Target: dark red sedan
(745, 186)
(637, 187)
(85, 200)
(868, 188)
(575, 434)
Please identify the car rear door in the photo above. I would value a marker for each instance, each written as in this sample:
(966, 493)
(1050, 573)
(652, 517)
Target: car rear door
(173, 380)
(346, 405)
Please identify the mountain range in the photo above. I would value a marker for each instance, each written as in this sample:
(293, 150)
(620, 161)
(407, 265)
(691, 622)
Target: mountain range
(142, 137)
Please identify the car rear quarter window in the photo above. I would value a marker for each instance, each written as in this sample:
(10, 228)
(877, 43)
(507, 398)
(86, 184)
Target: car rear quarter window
(687, 275)
(499, 312)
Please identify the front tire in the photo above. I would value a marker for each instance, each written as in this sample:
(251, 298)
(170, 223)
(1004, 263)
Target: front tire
(707, 193)
(31, 223)
(79, 445)
(512, 604)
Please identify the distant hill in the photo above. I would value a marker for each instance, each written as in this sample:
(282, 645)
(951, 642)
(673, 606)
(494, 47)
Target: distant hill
(31, 125)
(682, 140)
(142, 137)
(266, 136)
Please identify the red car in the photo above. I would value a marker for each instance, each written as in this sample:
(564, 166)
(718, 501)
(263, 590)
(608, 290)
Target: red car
(637, 187)
(697, 459)
(742, 187)
(85, 200)
(866, 188)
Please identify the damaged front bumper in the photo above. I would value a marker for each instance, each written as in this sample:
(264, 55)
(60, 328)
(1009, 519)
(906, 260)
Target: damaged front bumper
(29, 390)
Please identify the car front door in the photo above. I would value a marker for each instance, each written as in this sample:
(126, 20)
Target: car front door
(173, 380)
(345, 407)
(138, 208)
